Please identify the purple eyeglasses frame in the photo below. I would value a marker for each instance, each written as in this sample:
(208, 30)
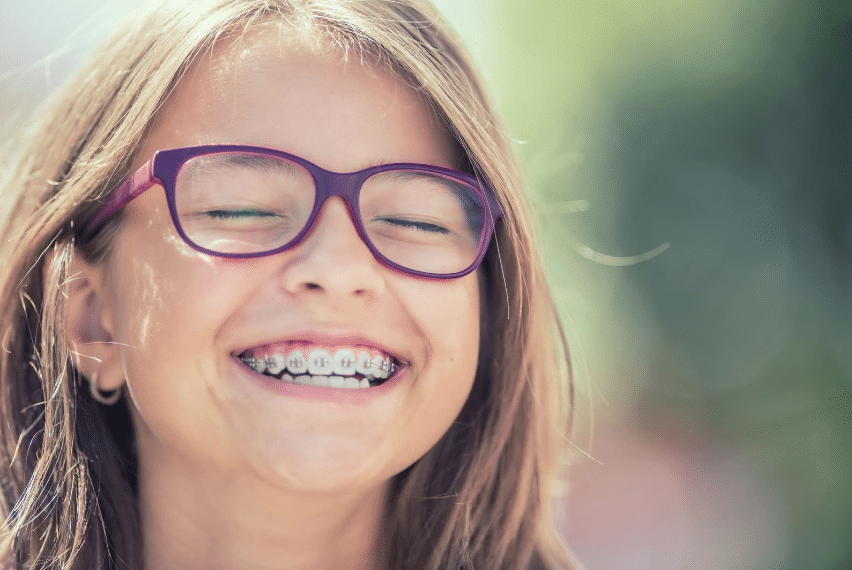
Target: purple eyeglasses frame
(164, 166)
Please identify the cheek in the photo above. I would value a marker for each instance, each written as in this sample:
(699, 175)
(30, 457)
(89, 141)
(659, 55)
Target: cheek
(144, 273)
(166, 313)
(449, 320)
(454, 321)
(163, 287)
(140, 307)
(151, 292)
(169, 317)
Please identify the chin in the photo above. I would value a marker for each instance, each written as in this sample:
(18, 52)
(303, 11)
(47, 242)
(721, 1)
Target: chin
(309, 461)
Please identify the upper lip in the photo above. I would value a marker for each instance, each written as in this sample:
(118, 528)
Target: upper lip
(330, 340)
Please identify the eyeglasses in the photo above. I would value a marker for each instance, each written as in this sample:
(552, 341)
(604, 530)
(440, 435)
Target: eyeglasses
(244, 201)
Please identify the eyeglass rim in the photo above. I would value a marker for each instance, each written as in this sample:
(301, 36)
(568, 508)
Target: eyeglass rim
(165, 164)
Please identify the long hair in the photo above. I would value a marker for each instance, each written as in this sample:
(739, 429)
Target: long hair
(479, 499)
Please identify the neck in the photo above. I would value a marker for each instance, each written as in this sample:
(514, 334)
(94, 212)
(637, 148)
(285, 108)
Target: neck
(201, 520)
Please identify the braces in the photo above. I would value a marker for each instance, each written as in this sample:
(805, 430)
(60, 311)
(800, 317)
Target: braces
(385, 364)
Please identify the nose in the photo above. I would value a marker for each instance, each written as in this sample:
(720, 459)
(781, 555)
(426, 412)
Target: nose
(332, 259)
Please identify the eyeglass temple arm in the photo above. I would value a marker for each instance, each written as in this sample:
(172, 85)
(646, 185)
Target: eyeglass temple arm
(495, 207)
(136, 184)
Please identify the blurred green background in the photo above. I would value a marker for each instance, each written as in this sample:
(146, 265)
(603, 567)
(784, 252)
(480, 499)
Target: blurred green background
(691, 165)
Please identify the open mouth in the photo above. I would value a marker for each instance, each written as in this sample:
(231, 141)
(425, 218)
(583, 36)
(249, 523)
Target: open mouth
(342, 367)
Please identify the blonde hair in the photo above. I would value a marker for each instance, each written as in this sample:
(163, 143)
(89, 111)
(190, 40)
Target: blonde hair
(479, 499)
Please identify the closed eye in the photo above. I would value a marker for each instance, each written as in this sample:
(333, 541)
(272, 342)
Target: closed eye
(416, 225)
(234, 214)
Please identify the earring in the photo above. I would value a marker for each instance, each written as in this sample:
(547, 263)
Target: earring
(105, 398)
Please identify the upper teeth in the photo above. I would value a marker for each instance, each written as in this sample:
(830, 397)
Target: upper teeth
(275, 364)
(296, 363)
(344, 362)
(320, 362)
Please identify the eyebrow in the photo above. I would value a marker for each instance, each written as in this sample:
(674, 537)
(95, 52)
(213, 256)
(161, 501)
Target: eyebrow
(255, 161)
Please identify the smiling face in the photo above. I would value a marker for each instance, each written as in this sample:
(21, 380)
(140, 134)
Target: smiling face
(182, 320)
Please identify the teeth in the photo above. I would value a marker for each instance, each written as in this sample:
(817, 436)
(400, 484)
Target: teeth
(256, 363)
(344, 362)
(275, 364)
(296, 362)
(380, 368)
(314, 380)
(365, 364)
(304, 379)
(324, 381)
(319, 362)
(321, 368)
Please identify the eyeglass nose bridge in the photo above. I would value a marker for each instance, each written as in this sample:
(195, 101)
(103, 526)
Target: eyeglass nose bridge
(328, 184)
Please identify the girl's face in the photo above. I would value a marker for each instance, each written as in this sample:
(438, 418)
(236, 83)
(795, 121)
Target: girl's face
(180, 318)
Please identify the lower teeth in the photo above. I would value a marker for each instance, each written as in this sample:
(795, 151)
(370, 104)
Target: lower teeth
(325, 381)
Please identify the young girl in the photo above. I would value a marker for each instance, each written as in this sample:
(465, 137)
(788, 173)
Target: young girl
(271, 300)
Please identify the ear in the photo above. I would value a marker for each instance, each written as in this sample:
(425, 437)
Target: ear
(89, 325)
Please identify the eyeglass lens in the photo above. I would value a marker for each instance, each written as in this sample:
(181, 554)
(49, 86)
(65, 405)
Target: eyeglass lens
(250, 203)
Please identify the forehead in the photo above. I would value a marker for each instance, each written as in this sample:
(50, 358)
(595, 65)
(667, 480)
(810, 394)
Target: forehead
(264, 48)
(272, 85)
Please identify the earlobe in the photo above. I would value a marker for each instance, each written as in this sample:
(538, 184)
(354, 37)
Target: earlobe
(89, 328)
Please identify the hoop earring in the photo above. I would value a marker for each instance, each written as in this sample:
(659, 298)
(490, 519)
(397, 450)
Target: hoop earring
(105, 398)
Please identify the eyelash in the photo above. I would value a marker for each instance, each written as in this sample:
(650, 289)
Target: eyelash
(232, 214)
(421, 226)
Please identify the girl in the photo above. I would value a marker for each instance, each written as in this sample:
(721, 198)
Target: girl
(271, 300)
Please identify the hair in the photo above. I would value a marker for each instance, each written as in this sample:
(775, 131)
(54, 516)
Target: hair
(480, 498)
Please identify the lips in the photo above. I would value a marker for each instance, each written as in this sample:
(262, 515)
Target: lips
(326, 365)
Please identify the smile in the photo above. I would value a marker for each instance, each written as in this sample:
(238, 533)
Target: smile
(339, 367)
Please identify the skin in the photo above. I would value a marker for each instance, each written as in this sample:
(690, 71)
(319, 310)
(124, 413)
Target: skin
(231, 473)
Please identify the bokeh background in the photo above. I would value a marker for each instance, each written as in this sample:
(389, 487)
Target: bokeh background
(691, 166)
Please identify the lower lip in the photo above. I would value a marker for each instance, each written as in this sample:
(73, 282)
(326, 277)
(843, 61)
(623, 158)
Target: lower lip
(349, 396)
